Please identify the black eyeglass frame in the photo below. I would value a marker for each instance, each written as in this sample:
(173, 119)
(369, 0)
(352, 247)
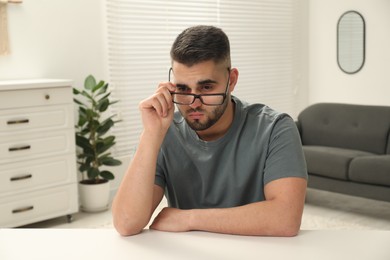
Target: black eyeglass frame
(224, 95)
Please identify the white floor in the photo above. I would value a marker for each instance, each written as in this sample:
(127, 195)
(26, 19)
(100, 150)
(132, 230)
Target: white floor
(323, 210)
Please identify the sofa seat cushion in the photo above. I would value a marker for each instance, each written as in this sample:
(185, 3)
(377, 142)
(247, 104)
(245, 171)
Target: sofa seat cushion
(371, 170)
(330, 161)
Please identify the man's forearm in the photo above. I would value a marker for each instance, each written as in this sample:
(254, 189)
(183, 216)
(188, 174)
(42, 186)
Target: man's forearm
(279, 215)
(133, 202)
(258, 219)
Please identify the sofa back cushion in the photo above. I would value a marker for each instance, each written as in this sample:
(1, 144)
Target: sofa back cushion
(360, 127)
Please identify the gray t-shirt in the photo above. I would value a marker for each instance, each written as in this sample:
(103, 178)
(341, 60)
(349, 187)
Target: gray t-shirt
(261, 145)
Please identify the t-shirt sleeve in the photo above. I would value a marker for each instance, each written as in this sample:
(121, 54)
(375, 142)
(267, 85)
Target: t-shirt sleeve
(285, 156)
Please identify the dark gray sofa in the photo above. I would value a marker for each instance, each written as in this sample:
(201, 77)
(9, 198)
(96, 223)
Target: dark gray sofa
(347, 148)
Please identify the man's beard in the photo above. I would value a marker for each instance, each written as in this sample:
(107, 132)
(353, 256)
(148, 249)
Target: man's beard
(213, 117)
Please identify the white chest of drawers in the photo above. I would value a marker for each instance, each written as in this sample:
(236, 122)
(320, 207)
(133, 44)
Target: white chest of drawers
(37, 151)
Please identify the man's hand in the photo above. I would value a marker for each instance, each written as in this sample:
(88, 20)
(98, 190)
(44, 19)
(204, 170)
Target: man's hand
(172, 220)
(157, 110)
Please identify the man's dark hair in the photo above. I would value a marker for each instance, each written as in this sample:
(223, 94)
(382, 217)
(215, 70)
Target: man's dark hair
(201, 43)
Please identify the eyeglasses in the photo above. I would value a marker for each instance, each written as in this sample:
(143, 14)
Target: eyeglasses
(214, 99)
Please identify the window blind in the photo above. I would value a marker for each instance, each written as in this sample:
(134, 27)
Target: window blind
(265, 47)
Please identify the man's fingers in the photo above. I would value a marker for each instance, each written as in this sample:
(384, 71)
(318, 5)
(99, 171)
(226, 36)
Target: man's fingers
(166, 98)
(163, 103)
(160, 101)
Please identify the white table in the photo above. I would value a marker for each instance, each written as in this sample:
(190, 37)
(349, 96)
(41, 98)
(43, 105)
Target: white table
(95, 244)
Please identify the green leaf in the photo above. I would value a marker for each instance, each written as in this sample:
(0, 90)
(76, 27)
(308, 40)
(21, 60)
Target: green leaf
(109, 161)
(114, 102)
(91, 114)
(104, 97)
(103, 105)
(107, 175)
(102, 157)
(85, 130)
(84, 167)
(82, 109)
(93, 173)
(103, 147)
(89, 82)
(81, 141)
(109, 139)
(108, 119)
(99, 146)
(98, 86)
(82, 121)
(89, 160)
(87, 95)
(84, 143)
(93, 125)
(78, 102)
(102, 129)
(76, 91)
(103, 89)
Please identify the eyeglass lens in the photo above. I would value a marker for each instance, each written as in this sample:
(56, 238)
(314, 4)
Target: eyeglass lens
(188, 99)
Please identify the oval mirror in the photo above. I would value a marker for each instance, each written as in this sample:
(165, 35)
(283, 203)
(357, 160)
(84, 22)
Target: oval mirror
(351, 42)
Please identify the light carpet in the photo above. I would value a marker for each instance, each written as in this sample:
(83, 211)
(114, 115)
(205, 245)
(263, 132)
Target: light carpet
(328, 210)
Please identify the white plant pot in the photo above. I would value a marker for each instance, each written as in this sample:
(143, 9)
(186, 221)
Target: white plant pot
(94, 197)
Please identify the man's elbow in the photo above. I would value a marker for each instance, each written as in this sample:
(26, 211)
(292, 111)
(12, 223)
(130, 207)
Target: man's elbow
(128, 228)
(290, 232)
(284, 227)
(289, 229)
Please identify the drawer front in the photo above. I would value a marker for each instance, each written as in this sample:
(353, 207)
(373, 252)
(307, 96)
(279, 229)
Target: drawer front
(36, 206)
(38, 174)
(35, 97)
(37, 145)
(36, 119)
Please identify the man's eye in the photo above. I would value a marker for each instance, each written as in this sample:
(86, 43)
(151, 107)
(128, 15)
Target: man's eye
(181, 89)
(207, 87)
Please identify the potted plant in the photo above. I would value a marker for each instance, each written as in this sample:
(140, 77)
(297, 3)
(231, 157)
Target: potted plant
(94, 144)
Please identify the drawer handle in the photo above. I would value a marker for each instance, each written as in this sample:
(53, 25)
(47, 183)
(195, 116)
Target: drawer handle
(20, 178)
(21, 210)
(19, 148)
(15, 122)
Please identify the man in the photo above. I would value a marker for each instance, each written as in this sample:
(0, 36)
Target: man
(225, 166)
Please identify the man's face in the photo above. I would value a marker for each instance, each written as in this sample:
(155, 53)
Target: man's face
(202, 78)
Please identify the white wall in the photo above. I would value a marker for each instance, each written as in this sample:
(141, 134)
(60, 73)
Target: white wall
(327, 83)
(58, 39)
(55, 39)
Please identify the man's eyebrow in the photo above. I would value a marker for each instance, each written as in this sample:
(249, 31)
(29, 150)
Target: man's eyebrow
(207, 81)
(181, 85)
(199, 83)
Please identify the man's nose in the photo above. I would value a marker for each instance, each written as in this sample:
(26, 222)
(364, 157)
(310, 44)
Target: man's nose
(197, 103)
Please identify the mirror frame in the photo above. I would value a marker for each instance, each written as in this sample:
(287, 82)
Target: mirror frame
(363, 43)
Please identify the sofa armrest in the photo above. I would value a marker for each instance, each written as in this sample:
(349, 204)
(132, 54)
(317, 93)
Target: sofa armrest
(299, 127)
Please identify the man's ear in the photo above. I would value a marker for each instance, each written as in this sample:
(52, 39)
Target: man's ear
(233, 79)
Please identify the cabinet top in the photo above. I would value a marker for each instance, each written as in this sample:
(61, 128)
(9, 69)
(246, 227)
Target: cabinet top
(34, 83)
